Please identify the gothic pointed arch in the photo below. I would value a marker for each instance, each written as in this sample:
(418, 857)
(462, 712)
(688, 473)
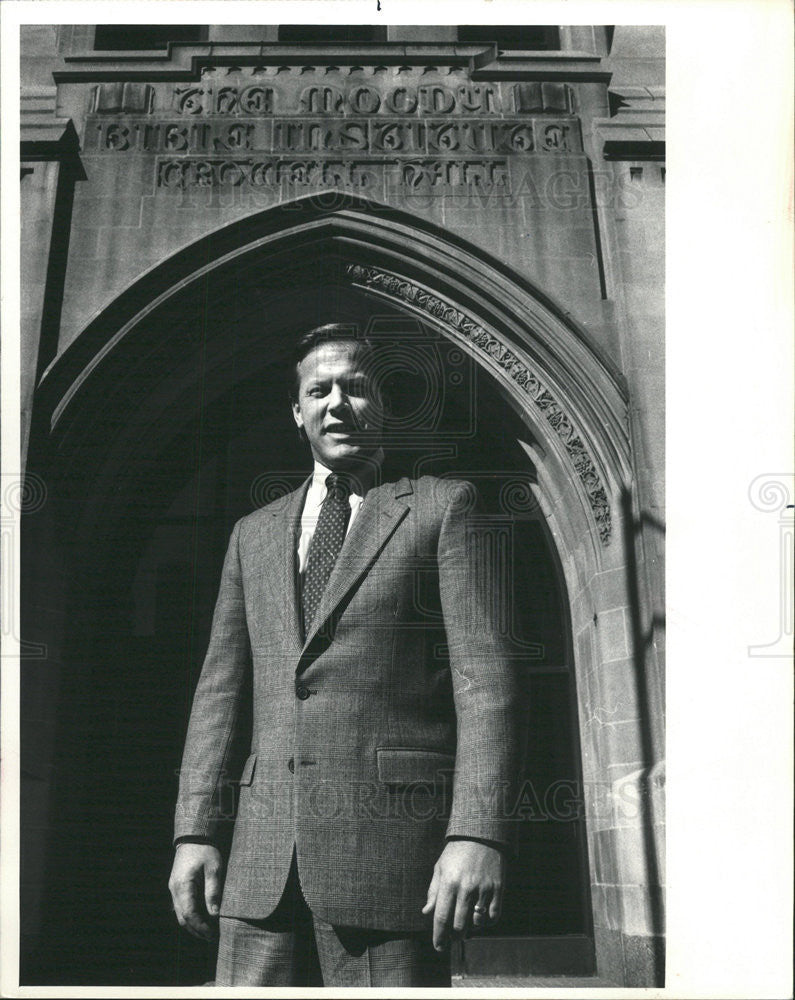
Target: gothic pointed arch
(550, 370)
(159, 364)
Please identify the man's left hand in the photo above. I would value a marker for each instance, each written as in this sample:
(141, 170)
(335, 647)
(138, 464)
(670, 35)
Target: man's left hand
(466, 889)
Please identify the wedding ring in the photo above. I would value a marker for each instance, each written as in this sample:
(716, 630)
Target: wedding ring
(479, 909)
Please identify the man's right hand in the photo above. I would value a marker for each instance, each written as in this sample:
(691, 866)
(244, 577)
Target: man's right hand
(195, 885)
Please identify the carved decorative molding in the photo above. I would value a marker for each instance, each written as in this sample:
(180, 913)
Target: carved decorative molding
(187, 61)
(549, 98)
(127, 98)
(498, 352)
(636, 128)
(43, 135)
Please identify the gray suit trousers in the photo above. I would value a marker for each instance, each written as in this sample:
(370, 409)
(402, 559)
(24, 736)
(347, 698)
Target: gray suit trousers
(293, 947)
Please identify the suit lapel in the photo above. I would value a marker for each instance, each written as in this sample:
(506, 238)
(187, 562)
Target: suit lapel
(279, 557)
(382, 511)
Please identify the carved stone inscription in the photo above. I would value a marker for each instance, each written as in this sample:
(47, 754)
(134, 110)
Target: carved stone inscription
(369, 129)
(355, 90)
(300, 175)
(359, 99)
(328, 135)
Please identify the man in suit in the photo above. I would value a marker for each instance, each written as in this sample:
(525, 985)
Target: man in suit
(354, 651)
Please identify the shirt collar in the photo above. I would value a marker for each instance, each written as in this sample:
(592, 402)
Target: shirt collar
(362, 478)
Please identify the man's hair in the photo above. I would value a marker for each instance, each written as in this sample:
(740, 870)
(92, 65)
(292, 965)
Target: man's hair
(329, 333)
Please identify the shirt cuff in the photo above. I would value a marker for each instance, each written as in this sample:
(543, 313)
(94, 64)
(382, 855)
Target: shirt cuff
(497, 844)
(193, 840)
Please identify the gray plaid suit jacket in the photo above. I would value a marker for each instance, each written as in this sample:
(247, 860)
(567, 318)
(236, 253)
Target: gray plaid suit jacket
(391, 726)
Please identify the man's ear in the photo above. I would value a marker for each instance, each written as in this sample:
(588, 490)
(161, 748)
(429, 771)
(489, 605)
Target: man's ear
(297, 416)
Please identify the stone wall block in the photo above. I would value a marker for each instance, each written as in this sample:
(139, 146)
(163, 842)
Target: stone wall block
(637, 910)
(637, 803)
(605, 869)
(625, 908)
(629, 864)
(624, 739)
(607, 905)
(111, 214)
(618, 695)
(612, 586)
(85, 243)
(609, 953)
(644, 959)
(612, 634)
(599, 805)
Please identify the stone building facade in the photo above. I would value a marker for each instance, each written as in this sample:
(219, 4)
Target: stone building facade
(491, 201)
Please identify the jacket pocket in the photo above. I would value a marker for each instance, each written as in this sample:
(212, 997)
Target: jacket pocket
(405, 765)
(247, 775)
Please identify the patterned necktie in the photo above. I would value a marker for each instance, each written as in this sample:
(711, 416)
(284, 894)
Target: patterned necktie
(326, 544)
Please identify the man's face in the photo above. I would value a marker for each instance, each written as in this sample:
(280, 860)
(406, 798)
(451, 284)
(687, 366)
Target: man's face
(338, 405)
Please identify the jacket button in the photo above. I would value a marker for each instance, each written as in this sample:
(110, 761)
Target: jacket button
(302, 692)
(291, 765)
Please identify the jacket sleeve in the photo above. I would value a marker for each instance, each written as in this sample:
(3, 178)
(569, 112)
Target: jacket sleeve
(205, 801)
(489, 710)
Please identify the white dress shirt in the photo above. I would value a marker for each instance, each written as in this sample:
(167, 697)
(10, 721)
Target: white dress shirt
(315, 496)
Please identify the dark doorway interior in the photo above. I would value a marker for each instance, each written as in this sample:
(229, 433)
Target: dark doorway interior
(175, 438)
